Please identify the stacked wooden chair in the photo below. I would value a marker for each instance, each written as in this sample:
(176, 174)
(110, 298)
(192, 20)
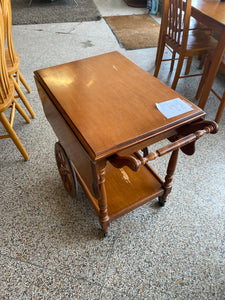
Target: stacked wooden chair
(12, 57)
(202, 82)
(7, 99)
(177, 35)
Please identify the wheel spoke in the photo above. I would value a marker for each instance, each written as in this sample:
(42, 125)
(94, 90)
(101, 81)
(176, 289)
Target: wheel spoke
(65, 169)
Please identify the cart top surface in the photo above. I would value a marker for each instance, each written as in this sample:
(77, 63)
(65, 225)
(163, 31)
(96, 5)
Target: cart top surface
(110, 103)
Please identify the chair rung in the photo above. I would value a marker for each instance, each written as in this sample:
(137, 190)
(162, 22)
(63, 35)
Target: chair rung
(4, 136)
(213, 91)
(12, 115)
(193, 75)
(168, 59)
(169, 48)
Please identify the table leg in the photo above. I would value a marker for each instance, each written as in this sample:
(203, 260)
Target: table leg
(103, 212)
(217, 57)
(169, 176)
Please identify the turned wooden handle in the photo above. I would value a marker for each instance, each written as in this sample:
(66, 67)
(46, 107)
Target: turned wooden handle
(192, 137)
(136, 160)
(129, 161)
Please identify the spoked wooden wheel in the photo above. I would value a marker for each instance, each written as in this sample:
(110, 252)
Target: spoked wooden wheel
(66, 170)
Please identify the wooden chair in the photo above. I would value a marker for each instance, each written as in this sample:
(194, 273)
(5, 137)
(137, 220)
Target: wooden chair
(7, 100)
(202, 82)
(175, 34)
(12, 57)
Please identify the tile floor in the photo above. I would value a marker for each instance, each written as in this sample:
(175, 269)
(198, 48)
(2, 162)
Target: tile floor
(52, 245)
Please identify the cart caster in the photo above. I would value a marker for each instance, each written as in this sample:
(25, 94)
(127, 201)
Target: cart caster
(161, 202)
(66, 170)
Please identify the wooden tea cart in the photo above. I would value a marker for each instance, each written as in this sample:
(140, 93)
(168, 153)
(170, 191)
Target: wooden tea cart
(103, 111)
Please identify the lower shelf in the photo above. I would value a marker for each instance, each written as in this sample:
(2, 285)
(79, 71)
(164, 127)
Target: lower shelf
(127, 189)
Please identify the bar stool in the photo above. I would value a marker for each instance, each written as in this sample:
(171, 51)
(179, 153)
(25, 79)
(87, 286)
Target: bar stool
(12, 57)
(7, 99)
(175, 34)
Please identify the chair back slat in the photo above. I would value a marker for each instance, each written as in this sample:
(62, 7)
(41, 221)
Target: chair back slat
(7, 18)
(176, 18)
(179, 21)
(4, 79)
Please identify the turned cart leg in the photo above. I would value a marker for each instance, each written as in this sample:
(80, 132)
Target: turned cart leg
(169, 177)
(103, 213)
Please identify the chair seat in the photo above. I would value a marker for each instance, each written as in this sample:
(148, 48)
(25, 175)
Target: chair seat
(8, 82)
(12, 68)
(198, 41)
(10, 96)
(194, 25)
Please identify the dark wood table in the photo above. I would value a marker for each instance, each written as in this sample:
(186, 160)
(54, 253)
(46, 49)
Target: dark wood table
(103, 111)
(212, 14)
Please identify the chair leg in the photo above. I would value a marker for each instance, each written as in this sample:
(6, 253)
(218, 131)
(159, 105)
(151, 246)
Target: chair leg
(220, 109)
(22, 97)
(159, 47)
(21, 111)
(172, 61)
(13, 136)
(203, 78)
(188, 66)
(159, 57)
(178, 71)
(202, 61)
(23, 81)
